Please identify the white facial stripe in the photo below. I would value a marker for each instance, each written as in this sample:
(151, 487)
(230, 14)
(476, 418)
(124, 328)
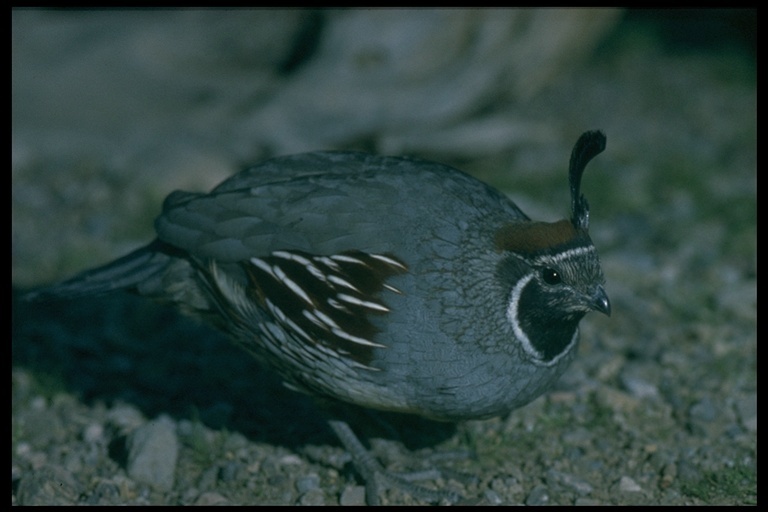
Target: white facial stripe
(570, 253)
(514, 303)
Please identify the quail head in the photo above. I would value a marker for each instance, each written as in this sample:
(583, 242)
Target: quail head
(391, 283)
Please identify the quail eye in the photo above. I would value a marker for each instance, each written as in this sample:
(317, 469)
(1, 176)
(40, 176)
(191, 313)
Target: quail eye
(551, 276)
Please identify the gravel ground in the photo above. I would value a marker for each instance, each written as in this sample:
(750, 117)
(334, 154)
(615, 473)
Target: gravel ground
(116, 400)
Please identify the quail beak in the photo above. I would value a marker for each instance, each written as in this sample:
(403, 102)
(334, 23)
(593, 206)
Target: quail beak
(599, 301)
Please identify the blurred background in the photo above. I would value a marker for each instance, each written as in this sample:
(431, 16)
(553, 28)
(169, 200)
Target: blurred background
(111, 110)
(114, 109)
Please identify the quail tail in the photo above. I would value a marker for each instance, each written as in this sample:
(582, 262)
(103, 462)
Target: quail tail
(127, 273)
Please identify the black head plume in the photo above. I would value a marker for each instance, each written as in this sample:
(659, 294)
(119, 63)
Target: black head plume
(589, 145)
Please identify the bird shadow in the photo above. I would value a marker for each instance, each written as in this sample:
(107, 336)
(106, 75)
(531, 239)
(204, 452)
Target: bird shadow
(120, 348)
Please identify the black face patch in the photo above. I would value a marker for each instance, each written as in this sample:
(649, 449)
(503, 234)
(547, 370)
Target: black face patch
(547, 326)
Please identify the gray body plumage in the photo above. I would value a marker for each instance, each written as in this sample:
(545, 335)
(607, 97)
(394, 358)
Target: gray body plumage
(445, 348)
